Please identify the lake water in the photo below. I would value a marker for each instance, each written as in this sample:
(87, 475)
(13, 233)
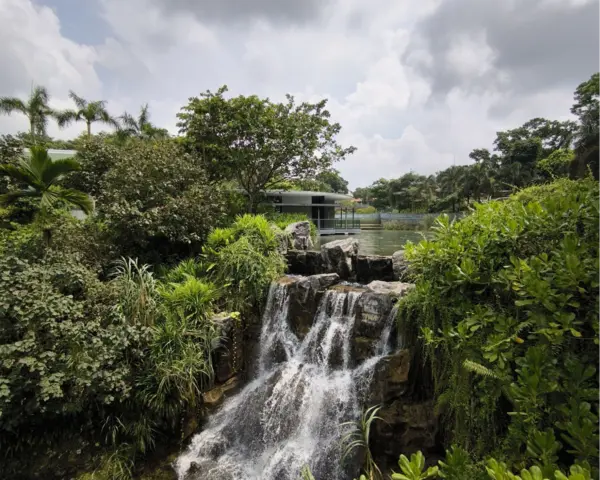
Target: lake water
(377, 242)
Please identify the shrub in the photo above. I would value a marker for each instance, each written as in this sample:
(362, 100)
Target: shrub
(156, 202)
(506, 302)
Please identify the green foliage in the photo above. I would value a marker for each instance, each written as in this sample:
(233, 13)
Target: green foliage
(156, 203)
(556, 164)
(414, 469)
(507, 304)
(257, 142)
(282, 220)
(41, 175)
(35, 108)
(88, 112)
(366, 210)
(358, 438)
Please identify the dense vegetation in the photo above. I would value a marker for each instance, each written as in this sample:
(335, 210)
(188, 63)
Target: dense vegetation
(533, 153)
(109, 322)
(506, 306)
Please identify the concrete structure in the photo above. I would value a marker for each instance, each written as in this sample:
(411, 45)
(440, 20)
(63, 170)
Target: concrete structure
(323, 208)
(56, 154)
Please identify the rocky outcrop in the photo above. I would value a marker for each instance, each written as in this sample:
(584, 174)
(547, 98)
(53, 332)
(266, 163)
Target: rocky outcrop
(406, 424)
(374, 267)
(282, 238)
(307, 262)
(299, 234)
(395, 289)
(228, 357)
(400, 266)
(305, 294)
(339, 257)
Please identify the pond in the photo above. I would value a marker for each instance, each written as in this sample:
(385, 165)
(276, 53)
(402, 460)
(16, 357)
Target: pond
(377, 242)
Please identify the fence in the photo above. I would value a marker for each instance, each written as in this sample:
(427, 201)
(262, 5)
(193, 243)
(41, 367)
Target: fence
(405, 218)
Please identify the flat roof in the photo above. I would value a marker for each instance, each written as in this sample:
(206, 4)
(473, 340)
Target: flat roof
(305, 193)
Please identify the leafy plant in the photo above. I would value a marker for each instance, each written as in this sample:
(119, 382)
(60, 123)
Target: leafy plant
(358, 438)
(414, 469)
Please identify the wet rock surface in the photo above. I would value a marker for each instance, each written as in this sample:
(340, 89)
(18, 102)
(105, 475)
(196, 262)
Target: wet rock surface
(228, 357)
(374, 267)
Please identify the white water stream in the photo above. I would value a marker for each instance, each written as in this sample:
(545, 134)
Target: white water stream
(290, 415)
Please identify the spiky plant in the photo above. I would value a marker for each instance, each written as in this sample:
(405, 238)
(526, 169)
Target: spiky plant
(358, 438)
(86, 111)
(141, 126)
(35, 108)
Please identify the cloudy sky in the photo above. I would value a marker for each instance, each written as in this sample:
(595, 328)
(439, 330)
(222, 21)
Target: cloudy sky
(415, 84)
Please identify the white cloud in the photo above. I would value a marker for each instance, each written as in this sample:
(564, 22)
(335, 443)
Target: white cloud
(368, 59)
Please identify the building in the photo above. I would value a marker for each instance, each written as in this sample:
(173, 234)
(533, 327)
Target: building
(55, 154)
(332, 213)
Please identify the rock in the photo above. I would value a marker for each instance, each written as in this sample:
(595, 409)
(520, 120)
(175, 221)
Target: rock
(390, 377)
(302, 262)
(339, 257)
(396, 289)
(283, 239)
(215, 396)
(228, 357)
(299, 234)
(400, 266)
(373, 310)
(374, 267)
(305, 293)
(405, 427)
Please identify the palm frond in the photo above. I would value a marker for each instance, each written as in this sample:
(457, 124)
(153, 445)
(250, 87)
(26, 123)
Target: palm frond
(38, 161)
(57, 169)
(129, 123)
(18, 174)
(79, 101)
(11, 104)
(66, 117)
(144, 118)
(478, 369)
(76, 198)
(11, 197)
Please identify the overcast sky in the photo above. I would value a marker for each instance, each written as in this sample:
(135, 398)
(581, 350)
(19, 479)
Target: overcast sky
(415, 84)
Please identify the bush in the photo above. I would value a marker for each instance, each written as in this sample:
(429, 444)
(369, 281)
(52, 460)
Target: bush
(157, 204)
(506, 302)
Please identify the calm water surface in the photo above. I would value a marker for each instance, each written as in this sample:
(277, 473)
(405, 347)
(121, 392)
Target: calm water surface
(377, 242)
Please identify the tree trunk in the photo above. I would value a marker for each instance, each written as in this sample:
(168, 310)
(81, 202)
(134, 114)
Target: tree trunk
(89, 128)
(32, 131)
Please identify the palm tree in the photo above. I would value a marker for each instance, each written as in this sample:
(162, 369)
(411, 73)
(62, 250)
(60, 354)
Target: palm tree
(36, 109)
(141, 127)
(89, 112)
(40, 175)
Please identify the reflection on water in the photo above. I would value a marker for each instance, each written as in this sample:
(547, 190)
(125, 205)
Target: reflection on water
(378, 242)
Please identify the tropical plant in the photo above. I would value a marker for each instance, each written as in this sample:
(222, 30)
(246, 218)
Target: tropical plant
(358, 438)
(457, 465)
(88, 112)
(506, 305)
(35, 108)
(414, 469)
(141, 126)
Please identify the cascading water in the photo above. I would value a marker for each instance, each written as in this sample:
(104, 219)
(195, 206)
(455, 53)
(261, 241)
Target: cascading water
(290, 415)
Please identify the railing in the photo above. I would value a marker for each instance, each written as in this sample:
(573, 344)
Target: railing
(336, 224)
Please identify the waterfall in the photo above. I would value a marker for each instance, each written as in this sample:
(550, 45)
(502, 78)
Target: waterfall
(290, 415)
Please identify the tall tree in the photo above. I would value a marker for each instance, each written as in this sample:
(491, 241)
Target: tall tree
(88, 112)
(257, 142)
(333, 178)
(587, 138)
(141, 126)
(35, 108)
(40, 175)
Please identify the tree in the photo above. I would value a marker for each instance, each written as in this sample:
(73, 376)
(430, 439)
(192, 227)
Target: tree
(333, 178)
(141, 126)
(36, 109)
(40, 175)
(88, 112)
(257, 142)
(586, 108)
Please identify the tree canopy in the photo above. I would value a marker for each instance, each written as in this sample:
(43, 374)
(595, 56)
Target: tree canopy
(258, 142)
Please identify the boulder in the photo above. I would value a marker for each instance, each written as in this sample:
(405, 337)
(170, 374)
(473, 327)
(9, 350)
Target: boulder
(400, 266)
(305, 293)
(215, 396)
(373, 310)
(283, 239)
(395, 289)
(228, 356)
(390, 380)
(339, 257)
(307, 262)
(374, 267)
(299, 234)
